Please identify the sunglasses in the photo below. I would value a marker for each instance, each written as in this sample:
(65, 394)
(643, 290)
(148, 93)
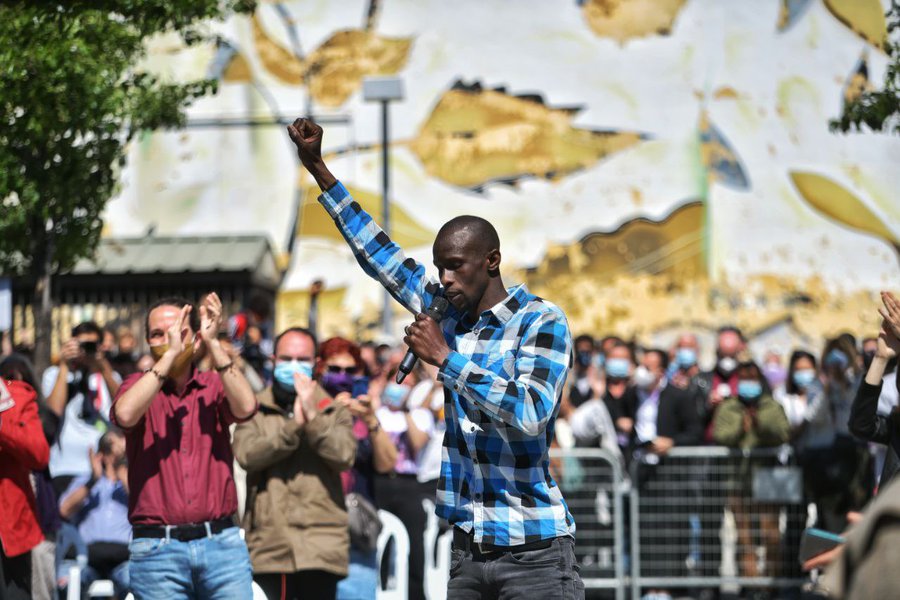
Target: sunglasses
(337, 369)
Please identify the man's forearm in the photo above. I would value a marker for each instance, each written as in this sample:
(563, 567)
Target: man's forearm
(131, 406)
(111, 383)
(321, 174)
(58, 395)
(238, 392)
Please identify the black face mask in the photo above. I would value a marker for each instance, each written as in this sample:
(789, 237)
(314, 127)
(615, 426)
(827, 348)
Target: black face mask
(583, 359)
(284, 397)
(868, 357)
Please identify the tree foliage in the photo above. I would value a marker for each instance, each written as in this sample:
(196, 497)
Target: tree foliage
(879, 109)
(71, 96)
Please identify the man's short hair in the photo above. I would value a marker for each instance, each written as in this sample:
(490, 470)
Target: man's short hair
(301, 331)
(104, 446)
(732, 329)
(662, 354)
(177, 302)
(88, 327)
(584, 338)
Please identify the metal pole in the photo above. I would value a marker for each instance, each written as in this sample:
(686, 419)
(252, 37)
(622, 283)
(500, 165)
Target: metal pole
(386, 321)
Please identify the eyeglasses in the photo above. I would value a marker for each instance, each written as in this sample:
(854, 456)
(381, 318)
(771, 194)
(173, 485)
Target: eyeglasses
(339, 369)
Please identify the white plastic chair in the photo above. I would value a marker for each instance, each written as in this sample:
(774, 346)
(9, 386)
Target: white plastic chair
(397, 585)
(437, 568)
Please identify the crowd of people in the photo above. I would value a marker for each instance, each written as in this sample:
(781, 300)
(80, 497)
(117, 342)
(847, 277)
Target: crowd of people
(369, 443)
(134, 467)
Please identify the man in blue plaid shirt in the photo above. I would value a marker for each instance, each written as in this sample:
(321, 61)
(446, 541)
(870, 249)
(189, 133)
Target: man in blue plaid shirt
(503, 357)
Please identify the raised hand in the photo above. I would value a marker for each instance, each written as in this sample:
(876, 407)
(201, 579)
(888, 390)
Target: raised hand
(173, 334)
(210, 318)
(305, 408)
(891, 312)
(888, 343)
(96, 463)
(307, 136)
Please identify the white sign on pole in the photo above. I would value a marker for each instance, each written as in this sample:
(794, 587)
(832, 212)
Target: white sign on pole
(5, 303)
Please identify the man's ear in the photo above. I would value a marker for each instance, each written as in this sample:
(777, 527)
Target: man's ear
(493, 262)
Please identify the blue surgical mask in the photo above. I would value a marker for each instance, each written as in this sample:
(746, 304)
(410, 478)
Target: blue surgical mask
(804, 378)
(749, 389)
(394, 395)
(686, 358)
(284, 371)
(618, 368)
(584, 359)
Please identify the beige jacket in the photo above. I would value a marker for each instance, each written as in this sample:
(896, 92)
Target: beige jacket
(295, 517)
(867, 567)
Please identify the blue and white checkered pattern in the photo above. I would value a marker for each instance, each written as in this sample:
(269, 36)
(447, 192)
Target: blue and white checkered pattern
(503, 381)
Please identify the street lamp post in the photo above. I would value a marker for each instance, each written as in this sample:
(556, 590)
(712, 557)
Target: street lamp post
(384, 90)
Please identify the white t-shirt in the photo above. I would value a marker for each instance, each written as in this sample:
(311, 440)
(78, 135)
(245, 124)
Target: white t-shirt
(69, 455)
(394, 424)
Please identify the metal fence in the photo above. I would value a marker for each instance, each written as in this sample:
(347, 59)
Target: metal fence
(594, 485)
(699, 517)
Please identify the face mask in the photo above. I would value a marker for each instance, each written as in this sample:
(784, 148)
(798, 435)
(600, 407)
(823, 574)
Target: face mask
(775, 374)
(336, 383)
(394, 395)
(584, 359)
(836, 358)
(284, 371)
(686, 358)
(868, 357)
(749, 389)
(643, 378)
(618, 368)
(804, 378)
(182, 361)
(727, 365)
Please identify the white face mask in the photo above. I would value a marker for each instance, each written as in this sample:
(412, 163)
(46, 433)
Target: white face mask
(727, 364)
(643, 378)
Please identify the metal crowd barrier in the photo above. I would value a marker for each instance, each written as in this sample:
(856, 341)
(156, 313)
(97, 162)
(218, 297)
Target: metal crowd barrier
(712, 517)
(593, 483)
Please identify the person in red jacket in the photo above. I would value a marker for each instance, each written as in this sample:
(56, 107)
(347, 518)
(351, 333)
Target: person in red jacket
(23, 449)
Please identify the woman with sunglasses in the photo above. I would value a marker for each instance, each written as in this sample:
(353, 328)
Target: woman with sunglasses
(339, 370)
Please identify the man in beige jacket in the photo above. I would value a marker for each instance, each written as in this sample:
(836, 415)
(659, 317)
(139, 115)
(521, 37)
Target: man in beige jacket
(294, 450)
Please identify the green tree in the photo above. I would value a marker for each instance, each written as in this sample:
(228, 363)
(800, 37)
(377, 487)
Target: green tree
(879, 110)
(72, 95)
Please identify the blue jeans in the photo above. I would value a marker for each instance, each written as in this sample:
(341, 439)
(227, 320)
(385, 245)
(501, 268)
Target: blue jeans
(362, 578)
(215, 567)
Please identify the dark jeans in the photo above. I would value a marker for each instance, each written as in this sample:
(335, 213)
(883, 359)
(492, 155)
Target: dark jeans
(302, 584)
(15, 576)
(548, 574)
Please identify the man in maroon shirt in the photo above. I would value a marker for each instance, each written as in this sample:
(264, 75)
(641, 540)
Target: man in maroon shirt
(182, 497)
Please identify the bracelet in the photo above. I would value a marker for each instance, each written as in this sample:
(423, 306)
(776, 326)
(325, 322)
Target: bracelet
(90, 483)
(374, 428)
(155, 372)
(224, 368)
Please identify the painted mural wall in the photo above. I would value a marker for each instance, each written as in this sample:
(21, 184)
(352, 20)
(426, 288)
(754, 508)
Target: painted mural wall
(650, 164)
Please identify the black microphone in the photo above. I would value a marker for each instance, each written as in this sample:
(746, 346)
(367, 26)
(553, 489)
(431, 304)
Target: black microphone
(435, 311)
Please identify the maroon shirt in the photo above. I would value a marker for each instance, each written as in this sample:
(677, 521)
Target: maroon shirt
(179, 455)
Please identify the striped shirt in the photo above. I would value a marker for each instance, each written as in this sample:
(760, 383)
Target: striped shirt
(503, 381)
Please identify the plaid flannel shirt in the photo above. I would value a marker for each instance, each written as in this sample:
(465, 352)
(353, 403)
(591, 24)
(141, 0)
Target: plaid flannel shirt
(502, 380)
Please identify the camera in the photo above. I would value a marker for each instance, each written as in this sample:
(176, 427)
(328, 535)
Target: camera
(89, 348)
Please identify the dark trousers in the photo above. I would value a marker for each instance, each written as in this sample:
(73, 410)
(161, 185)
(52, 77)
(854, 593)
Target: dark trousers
(402, 496)
(15, 576)
(548, 573)
(298, 586)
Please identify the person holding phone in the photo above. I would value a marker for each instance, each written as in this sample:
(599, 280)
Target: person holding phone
(294, 450)
(79, 391)
(339, 370)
